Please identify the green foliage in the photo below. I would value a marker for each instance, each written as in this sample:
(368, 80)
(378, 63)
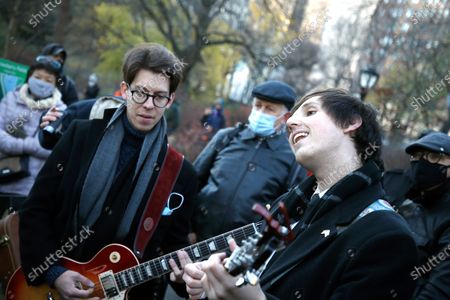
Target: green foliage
(209, 77)
(118, 33)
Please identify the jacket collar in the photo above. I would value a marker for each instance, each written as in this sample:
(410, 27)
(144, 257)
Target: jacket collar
(274, 141)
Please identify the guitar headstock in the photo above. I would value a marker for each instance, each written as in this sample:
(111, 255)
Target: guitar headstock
(252, 257)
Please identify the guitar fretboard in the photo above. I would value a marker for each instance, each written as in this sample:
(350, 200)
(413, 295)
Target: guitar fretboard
(159, 266)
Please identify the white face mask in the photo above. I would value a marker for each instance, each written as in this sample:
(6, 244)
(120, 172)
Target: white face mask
(40, 88)
(261, 123)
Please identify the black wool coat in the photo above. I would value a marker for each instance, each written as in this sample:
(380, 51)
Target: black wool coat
(47, 217)
(338, 256)
(432, 228)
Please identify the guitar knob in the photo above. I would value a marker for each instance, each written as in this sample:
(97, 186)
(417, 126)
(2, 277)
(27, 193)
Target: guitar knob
(50, 296)
(240, 282)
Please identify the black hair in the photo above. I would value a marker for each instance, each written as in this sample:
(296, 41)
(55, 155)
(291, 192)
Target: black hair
(41, 66)
(343, 108)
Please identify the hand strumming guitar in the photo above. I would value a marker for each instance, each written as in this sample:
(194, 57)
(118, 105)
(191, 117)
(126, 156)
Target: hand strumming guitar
(73, 285)
(212, 278)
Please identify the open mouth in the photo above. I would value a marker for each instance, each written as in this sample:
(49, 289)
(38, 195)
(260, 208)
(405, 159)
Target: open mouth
(299, 136)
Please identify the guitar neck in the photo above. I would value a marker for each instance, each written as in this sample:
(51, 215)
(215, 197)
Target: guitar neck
(159, 266)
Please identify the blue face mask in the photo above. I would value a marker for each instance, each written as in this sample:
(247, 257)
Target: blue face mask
(261, 123)
(40, 88)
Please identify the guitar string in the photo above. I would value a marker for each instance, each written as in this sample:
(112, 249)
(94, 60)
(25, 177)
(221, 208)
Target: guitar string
(240, 234)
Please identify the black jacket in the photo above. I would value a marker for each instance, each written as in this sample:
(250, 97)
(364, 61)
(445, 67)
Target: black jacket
(75, 111)
(337, 256)
(68, 90)
(48, 214)
(432, 228)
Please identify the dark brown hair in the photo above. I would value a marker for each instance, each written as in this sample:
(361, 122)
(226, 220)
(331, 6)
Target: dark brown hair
(155, 58)
(343, 108)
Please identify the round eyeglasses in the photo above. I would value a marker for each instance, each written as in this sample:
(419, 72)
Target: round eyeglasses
(54, 64)
(141, 97)
(432, 157)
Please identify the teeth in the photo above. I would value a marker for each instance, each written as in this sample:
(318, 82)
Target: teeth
(300, 135)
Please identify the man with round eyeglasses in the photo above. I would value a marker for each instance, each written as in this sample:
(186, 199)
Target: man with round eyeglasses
(139, 96)
(100, 176)
(430, 161)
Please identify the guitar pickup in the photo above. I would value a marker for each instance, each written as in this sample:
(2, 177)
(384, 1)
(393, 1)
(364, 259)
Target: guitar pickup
(109, 284)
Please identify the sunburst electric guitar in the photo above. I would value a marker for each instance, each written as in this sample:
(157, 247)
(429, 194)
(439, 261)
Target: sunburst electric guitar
(115, 269)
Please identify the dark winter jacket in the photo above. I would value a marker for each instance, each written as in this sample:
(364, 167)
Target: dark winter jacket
(47, 218)
(432, 228)
(66, 86)
(340, 252)
(75, 111)
(233, 175)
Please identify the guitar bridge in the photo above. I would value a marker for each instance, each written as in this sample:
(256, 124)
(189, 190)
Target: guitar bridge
(109, 284)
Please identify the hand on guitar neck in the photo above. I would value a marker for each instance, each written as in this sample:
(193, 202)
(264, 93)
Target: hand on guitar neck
(177, 272)
(212, 278)
(114, 270)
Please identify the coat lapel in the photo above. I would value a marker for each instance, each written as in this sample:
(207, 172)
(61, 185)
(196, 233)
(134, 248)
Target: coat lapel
(94, 137)
(314, 237)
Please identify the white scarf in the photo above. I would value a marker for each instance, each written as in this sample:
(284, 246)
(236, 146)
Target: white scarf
(39, 104)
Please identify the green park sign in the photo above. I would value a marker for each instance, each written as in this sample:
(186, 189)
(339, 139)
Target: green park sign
(11, 75)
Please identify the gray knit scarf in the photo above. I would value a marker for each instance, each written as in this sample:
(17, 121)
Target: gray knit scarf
(99, 177)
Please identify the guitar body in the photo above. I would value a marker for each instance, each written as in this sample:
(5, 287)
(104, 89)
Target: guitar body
(113, 258)
(115, 269)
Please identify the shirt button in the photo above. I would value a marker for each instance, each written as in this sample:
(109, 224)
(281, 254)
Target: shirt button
(351, 253)
(203, 210)
(108, 210)
(251, 167)
(298, 295)
(60, 167)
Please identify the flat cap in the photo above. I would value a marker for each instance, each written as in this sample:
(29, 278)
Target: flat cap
(435, 142)
(275, 91)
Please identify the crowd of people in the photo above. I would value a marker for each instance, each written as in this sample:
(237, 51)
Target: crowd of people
(105, 164)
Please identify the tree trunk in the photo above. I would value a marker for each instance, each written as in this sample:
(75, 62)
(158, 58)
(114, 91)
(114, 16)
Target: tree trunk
(63, 20)
(12, 28)
(297, 15)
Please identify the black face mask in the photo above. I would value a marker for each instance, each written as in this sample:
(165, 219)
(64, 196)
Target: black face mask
(426, 175)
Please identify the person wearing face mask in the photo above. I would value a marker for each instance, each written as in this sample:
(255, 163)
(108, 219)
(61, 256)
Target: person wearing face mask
(430, 161)
(92, 88)
(20, 112)
(246, 164)
(65, 84)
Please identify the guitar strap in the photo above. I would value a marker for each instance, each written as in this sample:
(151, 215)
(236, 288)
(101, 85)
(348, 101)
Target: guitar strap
(164, 184)
(375, 206)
